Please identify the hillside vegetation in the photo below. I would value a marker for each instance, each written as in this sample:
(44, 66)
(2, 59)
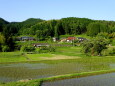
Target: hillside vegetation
(43, 30)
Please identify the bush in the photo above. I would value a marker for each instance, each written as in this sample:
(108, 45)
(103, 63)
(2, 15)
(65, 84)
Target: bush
(112, 52)
(47, 49)
(103, 35)
(5, 48)
(37, 50)
(27, 49)
(108, 52)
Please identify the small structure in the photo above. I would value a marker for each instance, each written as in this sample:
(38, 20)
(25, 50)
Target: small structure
(41, 45)
(70, 39)
(25, 38)
(55, 39)
(81, 39)
(63, 40)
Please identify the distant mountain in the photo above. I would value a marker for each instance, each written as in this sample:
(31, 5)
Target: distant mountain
(46, 28)
(2, 23)
(31, 21)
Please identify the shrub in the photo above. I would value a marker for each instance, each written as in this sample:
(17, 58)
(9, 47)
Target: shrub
(47, 49)
(103, 35)
(108, 52)
(27, 49)
(5, 48)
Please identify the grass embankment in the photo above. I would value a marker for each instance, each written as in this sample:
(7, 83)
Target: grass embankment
(38, 82)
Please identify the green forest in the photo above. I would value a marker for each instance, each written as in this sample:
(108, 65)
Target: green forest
(45, 29)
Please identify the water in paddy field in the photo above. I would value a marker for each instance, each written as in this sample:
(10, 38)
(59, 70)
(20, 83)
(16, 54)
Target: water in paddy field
(35, 70)
(97, 80)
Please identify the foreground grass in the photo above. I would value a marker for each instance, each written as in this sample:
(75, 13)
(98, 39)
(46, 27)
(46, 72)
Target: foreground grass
(38, 82)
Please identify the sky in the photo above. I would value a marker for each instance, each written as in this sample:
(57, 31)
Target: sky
(20, 10)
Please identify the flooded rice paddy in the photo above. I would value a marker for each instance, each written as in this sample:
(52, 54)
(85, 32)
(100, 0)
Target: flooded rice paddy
(34, 70)
(97, 80)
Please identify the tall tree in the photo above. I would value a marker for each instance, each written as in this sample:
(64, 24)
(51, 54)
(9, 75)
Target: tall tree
(94, 47)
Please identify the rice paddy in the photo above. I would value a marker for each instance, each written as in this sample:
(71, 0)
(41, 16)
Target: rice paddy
(16, 66)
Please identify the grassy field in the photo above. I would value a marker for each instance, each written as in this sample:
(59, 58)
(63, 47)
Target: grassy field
(21, 57)
(11, 57)
(69, 51)
(64, 52)
(38, 82)
(60, 53)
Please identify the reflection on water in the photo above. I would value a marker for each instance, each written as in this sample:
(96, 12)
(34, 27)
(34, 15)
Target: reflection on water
(17, 71)
(97, 80)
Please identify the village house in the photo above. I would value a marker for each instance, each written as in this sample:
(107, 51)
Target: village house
(81, 39)
(63, 39)
(25, 38)
(55, 39)
(70, 39)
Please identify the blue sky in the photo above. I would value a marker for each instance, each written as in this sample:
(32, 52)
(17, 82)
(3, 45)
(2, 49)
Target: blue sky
(20, 10)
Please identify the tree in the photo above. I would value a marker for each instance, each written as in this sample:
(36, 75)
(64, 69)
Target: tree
(56, 31)
(103, 35)
(93, 29)
(2, 40)
(5, 48)
(96, 27)
(8, 39)
(2, 24)
(87, 45)
(94, 47)
(40, 35)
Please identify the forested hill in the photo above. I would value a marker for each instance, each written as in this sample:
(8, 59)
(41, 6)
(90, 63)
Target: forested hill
(54, 28)
(2, 24)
